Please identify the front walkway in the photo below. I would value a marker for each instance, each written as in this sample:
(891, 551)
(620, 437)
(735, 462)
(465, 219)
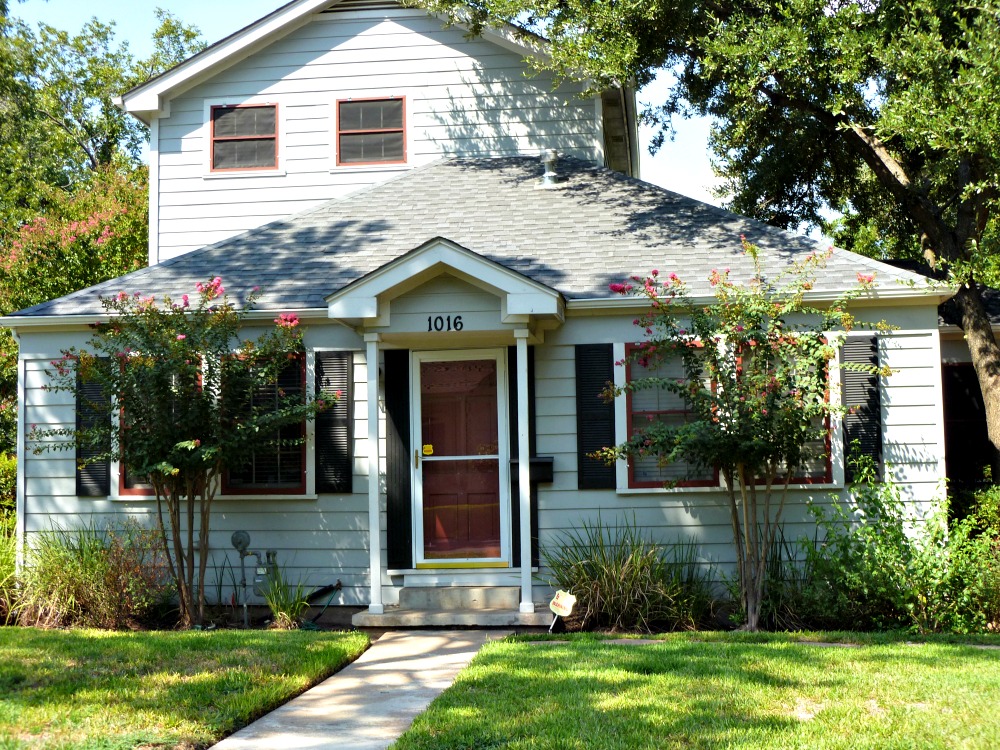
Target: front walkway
(369, 703)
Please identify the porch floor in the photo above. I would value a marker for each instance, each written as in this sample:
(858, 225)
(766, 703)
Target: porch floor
(396, 617)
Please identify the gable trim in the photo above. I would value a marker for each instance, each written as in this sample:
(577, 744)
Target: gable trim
(520, 296)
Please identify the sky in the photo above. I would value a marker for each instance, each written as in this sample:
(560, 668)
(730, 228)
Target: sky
(682, 165)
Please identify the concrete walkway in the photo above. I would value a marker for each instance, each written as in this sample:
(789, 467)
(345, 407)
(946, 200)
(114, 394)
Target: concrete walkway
(369, 703)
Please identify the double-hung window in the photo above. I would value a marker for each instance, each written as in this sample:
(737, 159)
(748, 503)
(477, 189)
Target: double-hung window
(650, 405)
(279, 465)
(244, 137)
(371, 131)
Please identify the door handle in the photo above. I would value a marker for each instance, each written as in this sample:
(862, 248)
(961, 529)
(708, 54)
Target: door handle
(416, 458)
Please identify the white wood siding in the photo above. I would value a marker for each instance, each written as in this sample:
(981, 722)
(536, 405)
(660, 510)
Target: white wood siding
(465, 97)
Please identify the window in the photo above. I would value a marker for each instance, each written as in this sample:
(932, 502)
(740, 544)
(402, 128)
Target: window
(659, 405)
(244, 137)
(278, 466)
(93, 473)
(371, 131)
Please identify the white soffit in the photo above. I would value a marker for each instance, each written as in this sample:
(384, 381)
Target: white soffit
(368, 297)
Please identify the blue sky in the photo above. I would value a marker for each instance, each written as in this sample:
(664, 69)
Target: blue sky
(682, 165)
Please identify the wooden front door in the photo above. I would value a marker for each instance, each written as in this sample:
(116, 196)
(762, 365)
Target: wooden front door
(461, 498)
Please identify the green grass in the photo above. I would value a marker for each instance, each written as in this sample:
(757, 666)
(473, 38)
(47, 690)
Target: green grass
(90, 689)
(719, 691)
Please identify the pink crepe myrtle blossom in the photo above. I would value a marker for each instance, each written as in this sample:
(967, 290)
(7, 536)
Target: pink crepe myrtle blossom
(181, 336)
(287, 320)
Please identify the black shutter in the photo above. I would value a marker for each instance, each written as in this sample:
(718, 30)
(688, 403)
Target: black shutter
(334, 431)
(863, 420)
(515, 504)
(399, 514)
(93, 477)
(595, 419)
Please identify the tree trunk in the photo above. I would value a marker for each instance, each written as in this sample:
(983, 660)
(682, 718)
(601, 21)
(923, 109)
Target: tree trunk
(985, 355)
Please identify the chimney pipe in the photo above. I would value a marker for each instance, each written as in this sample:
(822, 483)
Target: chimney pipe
(549, 158)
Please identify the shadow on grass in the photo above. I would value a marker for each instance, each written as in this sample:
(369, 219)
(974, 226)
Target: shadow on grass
(713, 695)
(95, 689)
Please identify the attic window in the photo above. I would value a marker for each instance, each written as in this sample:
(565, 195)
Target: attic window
(371, 131)
(244, 137)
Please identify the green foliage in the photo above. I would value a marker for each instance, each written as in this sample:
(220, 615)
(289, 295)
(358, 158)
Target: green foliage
(876, 567)
(754, 391)
(73, 206)
(624, 581)
(8, 566)
(109, 578)
(60, 122)
(8, 483)
(177, 377)
(287, 601)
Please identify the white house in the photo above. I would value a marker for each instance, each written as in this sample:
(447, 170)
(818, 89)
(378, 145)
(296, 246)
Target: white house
(378, 175)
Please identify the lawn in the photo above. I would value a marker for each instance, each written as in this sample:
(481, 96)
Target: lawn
(89, 689)
(718, 691)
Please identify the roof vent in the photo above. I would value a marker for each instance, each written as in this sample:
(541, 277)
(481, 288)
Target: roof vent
(550, 178)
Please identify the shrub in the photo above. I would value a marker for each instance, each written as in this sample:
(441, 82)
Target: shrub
(288, 602)
(8, 483)
(874, 567)
(8, 558)
(107, 578)
(624, 581)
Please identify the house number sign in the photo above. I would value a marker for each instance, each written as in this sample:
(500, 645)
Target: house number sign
(444, 323)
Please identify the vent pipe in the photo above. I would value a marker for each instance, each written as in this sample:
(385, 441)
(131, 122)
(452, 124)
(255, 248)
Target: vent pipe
(549, 158)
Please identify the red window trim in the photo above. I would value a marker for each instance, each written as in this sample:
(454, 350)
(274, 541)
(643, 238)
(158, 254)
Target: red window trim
(629, 413)
(401, 130)
(300, 488)
(214, 138)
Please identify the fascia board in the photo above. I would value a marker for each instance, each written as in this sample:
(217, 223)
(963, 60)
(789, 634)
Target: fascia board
(147, 98)
(873, 297)
(27, 322)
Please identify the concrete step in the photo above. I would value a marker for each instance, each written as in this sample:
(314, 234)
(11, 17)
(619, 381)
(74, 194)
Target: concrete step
(428, 618)
(459, 598)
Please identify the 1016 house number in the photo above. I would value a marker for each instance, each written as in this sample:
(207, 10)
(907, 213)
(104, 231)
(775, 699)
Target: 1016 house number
(444, 323)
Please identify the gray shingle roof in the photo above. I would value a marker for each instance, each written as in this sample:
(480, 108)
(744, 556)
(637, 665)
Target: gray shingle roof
(597, 227)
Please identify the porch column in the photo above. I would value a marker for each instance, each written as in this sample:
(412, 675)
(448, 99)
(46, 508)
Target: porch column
(374, 524)
(524, 469)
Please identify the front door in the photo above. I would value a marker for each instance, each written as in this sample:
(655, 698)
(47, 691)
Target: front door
(461, 482)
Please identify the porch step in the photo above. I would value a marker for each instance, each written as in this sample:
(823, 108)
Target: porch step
(459, 598)
(431, 618)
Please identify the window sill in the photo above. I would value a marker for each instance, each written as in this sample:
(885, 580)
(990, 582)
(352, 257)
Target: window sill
(826, 486)
(227, 498)
(241, 175)
(362, 168)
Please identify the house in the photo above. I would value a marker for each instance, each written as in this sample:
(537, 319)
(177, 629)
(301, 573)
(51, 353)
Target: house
(378, 175)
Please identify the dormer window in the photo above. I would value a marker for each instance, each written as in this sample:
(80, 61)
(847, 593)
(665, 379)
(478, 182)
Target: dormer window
(244, 137)
(371, 131)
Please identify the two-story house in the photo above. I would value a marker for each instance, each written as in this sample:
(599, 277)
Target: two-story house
(378, 174)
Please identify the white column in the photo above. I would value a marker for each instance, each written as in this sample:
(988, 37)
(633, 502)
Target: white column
(374, 519)
(523, 469)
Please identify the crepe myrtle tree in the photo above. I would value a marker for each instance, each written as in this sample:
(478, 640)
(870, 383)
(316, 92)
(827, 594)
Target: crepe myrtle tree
(166, 389)
(755, 390)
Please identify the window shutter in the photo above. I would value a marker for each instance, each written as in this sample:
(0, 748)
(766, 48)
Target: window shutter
(399, 513)
(93, 478)
(334, 457)
(595, 419)
(863, 420)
